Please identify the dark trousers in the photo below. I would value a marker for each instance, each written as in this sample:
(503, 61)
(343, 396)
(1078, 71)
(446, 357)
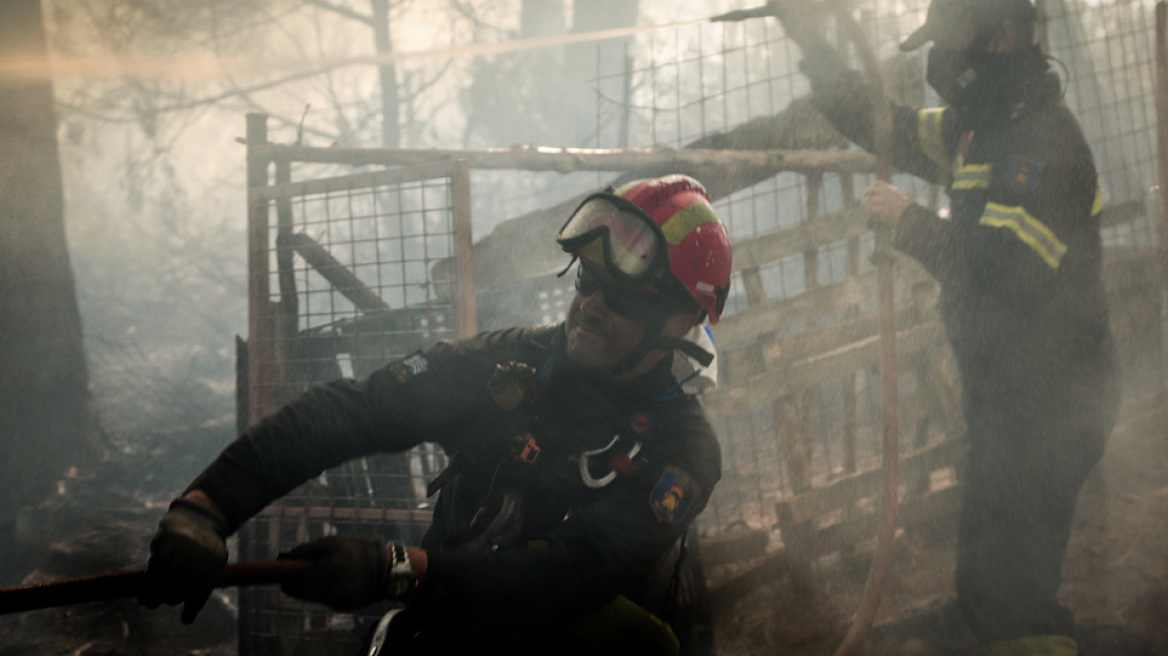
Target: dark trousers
(1027, 463)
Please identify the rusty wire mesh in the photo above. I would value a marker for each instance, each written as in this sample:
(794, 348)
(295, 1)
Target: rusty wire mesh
(360, 273)
(676, 87)
(672, 88)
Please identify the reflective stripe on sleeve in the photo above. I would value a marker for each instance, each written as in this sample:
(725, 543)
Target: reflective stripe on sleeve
(1097, 206)
(932, 139)
(974, 176)
(1031, 231)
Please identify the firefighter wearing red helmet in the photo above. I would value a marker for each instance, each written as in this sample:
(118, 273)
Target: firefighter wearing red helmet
(657, 238)
(578, 459)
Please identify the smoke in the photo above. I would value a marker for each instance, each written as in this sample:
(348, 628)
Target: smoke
(203, 67)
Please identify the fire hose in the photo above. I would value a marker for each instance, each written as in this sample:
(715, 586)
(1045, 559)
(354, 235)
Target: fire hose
(125, 584)
(882, 258)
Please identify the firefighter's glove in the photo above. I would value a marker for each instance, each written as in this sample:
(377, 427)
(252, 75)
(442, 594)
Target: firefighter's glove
(884, 204)
(187, 553)
(346, 572)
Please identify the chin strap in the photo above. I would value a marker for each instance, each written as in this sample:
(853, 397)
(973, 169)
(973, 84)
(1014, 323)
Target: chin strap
(688, 348)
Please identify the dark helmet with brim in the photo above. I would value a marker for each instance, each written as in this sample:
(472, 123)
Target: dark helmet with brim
(986, 15)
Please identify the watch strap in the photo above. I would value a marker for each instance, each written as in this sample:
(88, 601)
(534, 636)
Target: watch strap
(401, 579)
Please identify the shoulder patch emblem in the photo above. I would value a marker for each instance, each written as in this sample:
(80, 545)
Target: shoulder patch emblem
(673, 495)
(641, 421)
(1022, 175)
(416, 364)
(545, 372)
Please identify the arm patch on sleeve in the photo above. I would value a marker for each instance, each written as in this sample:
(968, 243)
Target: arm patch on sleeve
(673, 495)
(1022, 175)
(409, 367)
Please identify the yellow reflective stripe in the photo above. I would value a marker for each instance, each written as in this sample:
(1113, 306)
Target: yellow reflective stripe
(1097, 206)
(593, 250)
(1030, 230)
(626, 187)
(932, 140)
(686, 220)
(974, 176)
(1043, 645)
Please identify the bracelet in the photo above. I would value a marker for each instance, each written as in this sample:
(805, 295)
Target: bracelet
(205, 512)
(401, 580)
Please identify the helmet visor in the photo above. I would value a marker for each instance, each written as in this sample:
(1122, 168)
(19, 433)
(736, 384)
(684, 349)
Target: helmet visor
(616, 233)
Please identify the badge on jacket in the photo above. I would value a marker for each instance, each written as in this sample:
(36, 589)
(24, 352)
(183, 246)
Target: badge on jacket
(1022, 175)
(673, 495)
(405, 369)
(641, 421)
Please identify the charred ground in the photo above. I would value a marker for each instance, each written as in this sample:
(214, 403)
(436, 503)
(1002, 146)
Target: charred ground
(1116, 572)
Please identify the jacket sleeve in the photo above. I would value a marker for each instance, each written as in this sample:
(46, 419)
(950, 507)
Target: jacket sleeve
(415, 399)
(607, 548)
(1040, 209)
(931, 240)
(921, 144)
(1041, 212)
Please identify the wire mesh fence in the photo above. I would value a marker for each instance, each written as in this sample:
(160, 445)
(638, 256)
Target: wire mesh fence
(688, 87)
(363, 269)
(684, 87)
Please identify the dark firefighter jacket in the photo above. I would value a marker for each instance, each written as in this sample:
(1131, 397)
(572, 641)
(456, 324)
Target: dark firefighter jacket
(566, 549)
(1019, 256)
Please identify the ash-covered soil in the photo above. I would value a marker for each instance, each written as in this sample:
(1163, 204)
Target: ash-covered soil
(1115, 576)
(1116, 573)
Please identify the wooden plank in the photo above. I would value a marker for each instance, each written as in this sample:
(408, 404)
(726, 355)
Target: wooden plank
(337, 274)
(774, 568)
(1122, 212)
(807, 308)
(258, 282)
(845, 535)
(823, 230)
(1162, 170)
(571, 160)
(792, 414)
(1139, 270)
(828, 338)
(365, 180)
(767, 387)
(823, 500)
(463, 250)
(752, 282)
(733, 547)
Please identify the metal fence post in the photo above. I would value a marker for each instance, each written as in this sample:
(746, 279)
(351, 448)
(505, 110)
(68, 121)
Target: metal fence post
(1162, 187)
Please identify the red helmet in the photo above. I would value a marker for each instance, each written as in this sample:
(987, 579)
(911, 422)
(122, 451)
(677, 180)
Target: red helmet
(645, 228)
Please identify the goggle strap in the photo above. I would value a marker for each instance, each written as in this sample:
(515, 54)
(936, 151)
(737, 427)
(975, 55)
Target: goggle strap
(569, 267)
(691, 350)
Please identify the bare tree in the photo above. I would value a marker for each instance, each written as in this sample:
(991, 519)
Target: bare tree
(46, 424)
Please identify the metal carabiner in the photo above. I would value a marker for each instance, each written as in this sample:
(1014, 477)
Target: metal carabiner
(586, 474)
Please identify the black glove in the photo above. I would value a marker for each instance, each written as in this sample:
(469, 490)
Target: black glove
(186, 555)
(347, 572)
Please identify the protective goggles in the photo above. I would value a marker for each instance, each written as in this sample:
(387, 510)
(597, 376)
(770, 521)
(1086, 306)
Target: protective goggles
(614, 232)
(628, 302)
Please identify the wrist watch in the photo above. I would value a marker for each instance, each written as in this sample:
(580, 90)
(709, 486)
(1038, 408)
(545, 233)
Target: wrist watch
(401, 579)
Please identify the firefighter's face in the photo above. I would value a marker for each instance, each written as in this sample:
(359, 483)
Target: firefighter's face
(598, 336)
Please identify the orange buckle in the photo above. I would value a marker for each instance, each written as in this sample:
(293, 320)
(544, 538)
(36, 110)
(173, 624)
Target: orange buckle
(529, 452)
